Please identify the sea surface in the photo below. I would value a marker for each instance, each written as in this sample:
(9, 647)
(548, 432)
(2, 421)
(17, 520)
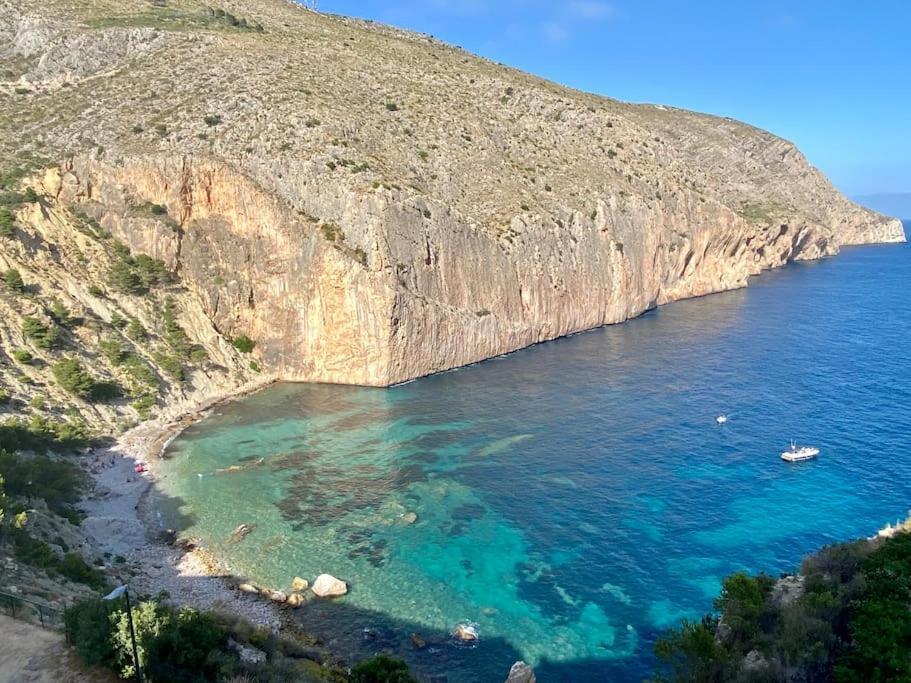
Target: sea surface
(574, 499)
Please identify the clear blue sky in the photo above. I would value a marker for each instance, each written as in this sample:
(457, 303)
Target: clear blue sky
(833, 76)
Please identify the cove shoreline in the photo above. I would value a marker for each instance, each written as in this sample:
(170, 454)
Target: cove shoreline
(122, 520)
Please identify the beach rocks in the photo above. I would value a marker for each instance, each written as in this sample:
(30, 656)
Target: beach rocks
(248, 588)
(466, 633)
(276, 596)
(295, 600)
(327, 586)
(240, 533)
(299, 585)
(521, 673)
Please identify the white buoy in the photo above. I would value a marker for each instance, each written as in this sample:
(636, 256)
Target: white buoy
(721, 419)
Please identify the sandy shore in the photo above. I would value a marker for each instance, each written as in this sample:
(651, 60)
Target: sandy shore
(122, 520)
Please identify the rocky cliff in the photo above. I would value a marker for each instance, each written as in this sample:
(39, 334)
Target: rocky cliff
(368, 205)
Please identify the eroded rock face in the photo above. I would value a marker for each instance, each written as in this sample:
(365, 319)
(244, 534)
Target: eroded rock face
(403, 295)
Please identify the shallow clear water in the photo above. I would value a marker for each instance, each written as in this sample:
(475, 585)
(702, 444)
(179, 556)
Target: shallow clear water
(575, 498)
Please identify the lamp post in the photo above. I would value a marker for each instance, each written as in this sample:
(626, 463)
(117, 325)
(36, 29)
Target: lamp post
(123, 590)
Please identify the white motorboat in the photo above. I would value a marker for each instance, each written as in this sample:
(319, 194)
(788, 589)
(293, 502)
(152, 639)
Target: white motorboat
(797, 454)
(721, 419)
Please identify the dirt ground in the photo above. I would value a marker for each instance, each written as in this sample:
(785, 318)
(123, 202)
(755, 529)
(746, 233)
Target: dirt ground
(30, 654)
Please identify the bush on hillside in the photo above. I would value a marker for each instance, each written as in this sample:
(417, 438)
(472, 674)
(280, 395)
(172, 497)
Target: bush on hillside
(70, 375)
(12, 280)
(41, 434)
(44, 335)
(59, 482)
(7, 223)
(243, 343)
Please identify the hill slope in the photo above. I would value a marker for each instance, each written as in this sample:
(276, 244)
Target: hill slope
(368, 205)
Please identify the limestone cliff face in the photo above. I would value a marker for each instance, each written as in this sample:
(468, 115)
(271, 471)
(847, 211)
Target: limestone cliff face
(427, 291)
(371, 206)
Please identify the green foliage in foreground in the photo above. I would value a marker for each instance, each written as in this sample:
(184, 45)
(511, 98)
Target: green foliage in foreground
(183, 645)
(852, 624)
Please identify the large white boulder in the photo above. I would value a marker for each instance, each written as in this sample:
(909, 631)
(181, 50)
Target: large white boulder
(327, 586)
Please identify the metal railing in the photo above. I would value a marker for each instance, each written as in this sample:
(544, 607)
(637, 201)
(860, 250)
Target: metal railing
(32, 611)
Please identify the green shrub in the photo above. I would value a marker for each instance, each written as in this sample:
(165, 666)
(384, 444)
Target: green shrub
(60, 314)
(70, 375)
(183, 649)
(381, 669)
(30, 196)
(12, 280)
(113, 349)
(32, 551)
(44, 335)
(742, 602)
(136, 331)
(212, 120)
(77, 570)
(88, 624)
(693, 654)
(96, 291)
(118, 322)
(392, 106)
(59, 482)
(151, 272)
(123, 278)
(141, 374)
(22, 356)
(143, 405)
(171, 365)
(7, 223)
(41, 434)
(243, 343)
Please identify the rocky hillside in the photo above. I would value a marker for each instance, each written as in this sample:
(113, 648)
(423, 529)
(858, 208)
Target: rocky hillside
(363, 204)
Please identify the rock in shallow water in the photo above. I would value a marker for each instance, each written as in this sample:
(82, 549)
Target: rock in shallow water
(327, 586)
(466, 633)
(521, 673)
(298, 584)
(240, 533)
(295, 600)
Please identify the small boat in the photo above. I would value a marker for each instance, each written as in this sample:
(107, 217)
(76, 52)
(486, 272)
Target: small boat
(795, 454)
(721, 419)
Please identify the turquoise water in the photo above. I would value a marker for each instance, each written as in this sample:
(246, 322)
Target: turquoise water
(575, 498)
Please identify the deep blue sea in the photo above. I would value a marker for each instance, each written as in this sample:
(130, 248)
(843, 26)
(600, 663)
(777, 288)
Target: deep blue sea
(574, 499)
